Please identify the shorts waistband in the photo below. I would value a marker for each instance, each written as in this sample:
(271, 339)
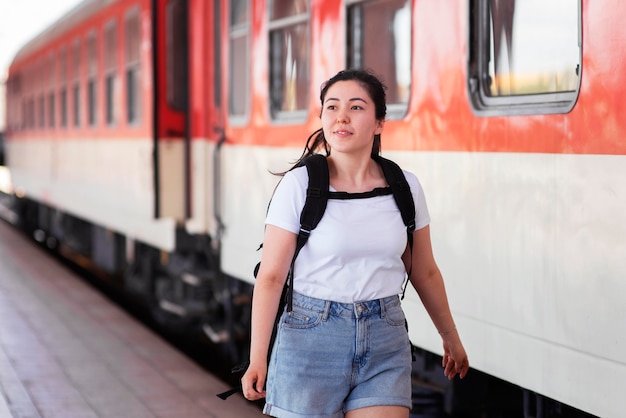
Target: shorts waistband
(350, 310)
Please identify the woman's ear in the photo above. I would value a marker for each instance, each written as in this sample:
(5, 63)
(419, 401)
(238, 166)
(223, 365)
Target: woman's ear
(380, 127)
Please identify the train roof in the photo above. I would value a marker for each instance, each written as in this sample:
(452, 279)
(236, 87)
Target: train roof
(78, 14)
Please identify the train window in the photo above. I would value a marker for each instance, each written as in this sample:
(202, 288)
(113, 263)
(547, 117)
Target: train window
(13, 96)
(379, 38)
(76, 61)
(41, 100)
(289, 61)
(92, 77)
(217, 52)
(31, 112)
(239, 57)
(63, 88)
(51, 109)
(111, 83)
(132, 43)
(51, 86)
(525, 57)
(42, 111)
(176, 88)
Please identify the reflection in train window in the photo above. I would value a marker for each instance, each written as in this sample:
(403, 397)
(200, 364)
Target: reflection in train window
(289, 41)
(239, 57)
(525, 56)
(379, 38)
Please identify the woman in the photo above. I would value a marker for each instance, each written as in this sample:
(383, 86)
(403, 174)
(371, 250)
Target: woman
(344, 349)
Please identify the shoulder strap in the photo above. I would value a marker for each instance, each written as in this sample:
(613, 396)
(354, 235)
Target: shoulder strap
(400, 189)
(312, 212)
(316, 193)
(404, 200)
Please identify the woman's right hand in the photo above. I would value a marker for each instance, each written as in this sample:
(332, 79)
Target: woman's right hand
(253, 382)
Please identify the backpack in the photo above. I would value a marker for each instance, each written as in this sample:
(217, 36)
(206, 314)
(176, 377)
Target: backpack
(317, 196)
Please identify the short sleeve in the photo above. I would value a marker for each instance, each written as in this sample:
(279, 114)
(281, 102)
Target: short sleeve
(422, 217)
(288, 200)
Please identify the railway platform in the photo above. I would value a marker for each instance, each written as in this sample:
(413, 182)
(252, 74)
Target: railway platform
(67, 351)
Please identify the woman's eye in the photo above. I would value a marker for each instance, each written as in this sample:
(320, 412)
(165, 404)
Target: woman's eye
(356, 107)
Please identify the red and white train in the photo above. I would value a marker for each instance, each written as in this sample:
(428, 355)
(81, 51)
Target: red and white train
(141, 134)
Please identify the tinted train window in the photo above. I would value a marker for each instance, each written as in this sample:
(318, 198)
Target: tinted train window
(176, 55)
(92, 77)
(132, 43)
(525, 56)
(42, 111)
(239, 57)
(51, 74)
(379, 38)
(289, 57)
(43, 78)
(76, 74)
(63, 88)
(110, 73)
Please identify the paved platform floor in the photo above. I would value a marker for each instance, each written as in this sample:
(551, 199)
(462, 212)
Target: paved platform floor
(67, 351)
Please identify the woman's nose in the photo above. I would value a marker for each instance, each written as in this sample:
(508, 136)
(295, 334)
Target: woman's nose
(342, 117)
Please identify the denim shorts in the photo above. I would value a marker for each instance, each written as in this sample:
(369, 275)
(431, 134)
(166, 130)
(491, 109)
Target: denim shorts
(330, 358)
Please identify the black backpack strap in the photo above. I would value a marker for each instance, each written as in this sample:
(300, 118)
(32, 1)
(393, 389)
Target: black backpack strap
(312, 212)
(404, 200)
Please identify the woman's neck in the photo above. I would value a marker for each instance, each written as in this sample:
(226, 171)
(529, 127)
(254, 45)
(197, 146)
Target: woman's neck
(354, 174)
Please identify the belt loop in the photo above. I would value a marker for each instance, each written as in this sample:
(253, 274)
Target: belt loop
(383, 308)
(326, 310)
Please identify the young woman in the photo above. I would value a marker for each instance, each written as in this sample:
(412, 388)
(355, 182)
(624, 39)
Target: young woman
(344, 348)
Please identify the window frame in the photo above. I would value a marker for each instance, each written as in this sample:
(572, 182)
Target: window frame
(177, 56)
(132, 68)
(397, 110)
(63, 97)
(478, 72)
(110, 73)
(239, 31)
(49, 92)
(279, 24)
(77, 66)
(91, 84)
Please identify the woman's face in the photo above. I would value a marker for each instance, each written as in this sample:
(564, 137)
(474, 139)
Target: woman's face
(349, 118)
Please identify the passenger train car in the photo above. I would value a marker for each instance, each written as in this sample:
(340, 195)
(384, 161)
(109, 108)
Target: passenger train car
(141, 135)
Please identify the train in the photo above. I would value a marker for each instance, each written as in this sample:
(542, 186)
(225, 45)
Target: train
(142, 136)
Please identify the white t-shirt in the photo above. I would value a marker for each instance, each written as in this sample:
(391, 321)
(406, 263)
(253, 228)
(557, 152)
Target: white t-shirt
(354, 253)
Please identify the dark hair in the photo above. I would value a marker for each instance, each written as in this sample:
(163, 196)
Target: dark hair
(375, 89)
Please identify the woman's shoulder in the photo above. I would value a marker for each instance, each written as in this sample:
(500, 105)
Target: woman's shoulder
(297, 177)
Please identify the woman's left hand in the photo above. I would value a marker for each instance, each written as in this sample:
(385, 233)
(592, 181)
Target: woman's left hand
(455, 359)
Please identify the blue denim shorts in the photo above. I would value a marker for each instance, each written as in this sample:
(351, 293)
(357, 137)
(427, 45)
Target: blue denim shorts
(330, 358)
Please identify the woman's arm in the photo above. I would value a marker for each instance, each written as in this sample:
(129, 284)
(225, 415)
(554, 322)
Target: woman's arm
(278, 249)
(428, 282)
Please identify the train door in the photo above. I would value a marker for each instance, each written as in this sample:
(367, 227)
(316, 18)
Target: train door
(171, 109)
